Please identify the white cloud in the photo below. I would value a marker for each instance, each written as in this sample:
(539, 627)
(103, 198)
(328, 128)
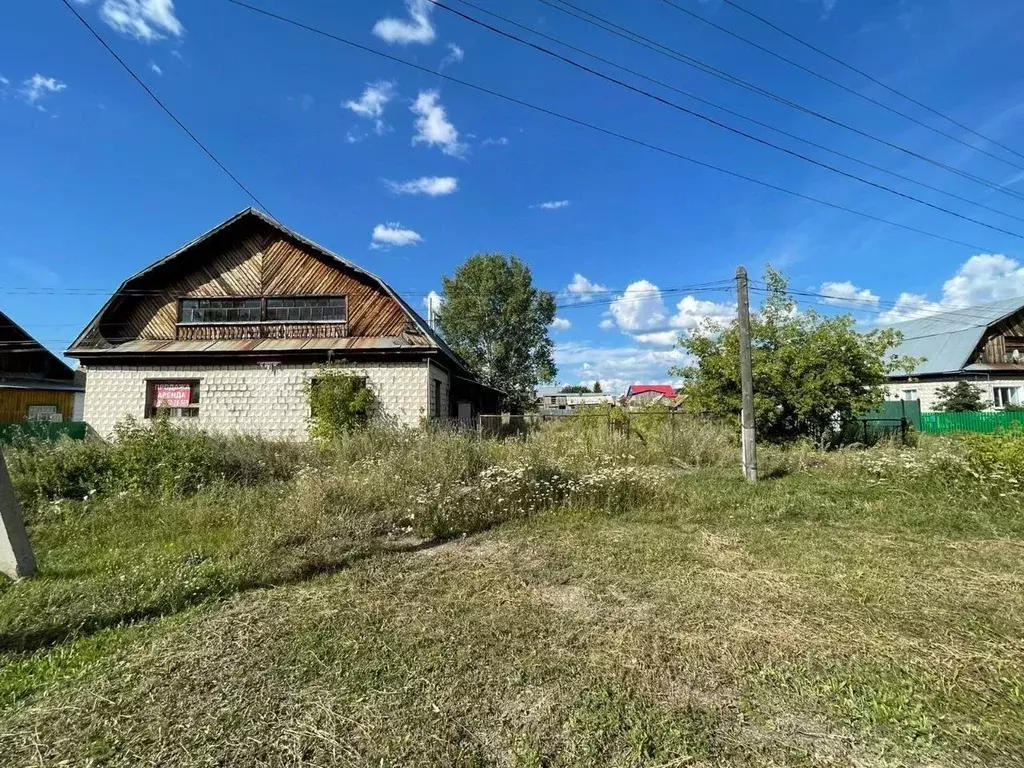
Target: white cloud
(552, 205)
(37, 87)
(370, 105)
(455, 55)
(416, 29)
(607, 324)
(433, 186)
(640, 311)
(4, 80)
(500, 141)
(981, 279)
(394, 234)
(155, 67)
(658, 338)
(846, 294)
(354, 138)
(640, 307)
(617, 367)
(582, 289)
(145, 20)
(692, 313)
(433, 127)
(561, 324)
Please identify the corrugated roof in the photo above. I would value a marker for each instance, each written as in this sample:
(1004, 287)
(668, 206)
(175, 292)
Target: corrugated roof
(264, 346)
(946, 340)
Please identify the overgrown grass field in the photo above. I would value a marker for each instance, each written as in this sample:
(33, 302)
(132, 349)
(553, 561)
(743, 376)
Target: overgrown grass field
(408, 598)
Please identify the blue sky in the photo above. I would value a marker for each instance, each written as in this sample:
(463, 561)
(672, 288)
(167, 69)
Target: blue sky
(99, 182)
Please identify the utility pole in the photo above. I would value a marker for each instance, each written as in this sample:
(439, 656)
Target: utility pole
(16, 558)
(746, 379)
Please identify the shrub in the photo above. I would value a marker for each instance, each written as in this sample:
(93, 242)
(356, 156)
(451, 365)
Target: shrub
(339, 402)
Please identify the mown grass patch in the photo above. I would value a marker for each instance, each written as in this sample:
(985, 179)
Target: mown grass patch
(828, 617)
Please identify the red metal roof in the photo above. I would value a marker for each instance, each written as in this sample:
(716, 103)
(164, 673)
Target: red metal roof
(661, 389)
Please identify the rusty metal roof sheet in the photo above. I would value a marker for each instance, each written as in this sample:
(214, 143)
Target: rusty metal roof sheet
(260, 346)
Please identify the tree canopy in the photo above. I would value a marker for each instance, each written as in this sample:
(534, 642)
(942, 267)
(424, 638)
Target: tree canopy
(811, 371)
(576, 389)
(497, 321)
(960, 397)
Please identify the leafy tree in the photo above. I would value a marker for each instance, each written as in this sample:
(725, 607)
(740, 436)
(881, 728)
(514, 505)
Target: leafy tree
(497, 321)
(811, 371)
(339, 402)
(597, 388)
(960, 397)
(575, 389)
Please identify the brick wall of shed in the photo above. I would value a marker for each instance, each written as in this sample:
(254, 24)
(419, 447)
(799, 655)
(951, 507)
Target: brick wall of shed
(927, 391)
(249, 399)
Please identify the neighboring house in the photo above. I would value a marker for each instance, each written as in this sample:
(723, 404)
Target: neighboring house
(227, 333)
(982, 344)
(644, 394)
(552, 399)
(35, 384)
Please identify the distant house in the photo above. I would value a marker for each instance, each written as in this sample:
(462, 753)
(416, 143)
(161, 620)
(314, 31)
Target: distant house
(643, 394)
(551, 399)
(35, 385)
(227, 333)
(983, 345)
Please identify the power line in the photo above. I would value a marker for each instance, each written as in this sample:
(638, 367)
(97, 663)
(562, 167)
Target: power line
(718, 123)
(653, 45)
(740, 115)
(167, 111)
(836, 83)
(873, 79)
(606, 131)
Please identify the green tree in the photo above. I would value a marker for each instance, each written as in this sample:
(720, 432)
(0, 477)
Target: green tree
(497, 321)
(960, 397)
(575, 389)
(597, 388)
(811, 371)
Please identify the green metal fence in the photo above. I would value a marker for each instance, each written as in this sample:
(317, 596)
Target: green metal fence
(47, 431)
(945, 423)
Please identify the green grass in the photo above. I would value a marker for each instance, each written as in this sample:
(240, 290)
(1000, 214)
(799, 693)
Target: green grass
(817, 619)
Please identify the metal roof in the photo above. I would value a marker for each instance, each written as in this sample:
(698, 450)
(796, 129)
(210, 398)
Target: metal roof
(947, 340)
(264, 346)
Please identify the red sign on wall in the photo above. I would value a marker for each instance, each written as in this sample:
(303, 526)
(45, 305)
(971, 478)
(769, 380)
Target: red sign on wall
(172, 396)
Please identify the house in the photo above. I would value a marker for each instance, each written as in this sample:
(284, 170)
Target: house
(35, 384)
(554, 400)
(228, 331)
(983, 345)
(644, 394)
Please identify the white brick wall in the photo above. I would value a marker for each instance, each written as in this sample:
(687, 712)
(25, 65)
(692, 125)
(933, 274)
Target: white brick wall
(248, 398)
(437, 373)
(927, 391)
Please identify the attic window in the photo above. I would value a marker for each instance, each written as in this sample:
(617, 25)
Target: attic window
(209, 311)
(313, 309)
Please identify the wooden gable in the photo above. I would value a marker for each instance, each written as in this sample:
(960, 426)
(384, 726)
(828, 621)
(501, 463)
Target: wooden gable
(249, 259)
(1000, 340)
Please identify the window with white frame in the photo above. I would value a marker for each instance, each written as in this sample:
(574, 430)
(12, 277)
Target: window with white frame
(910, 394)
(43, 413)
(1004, 396)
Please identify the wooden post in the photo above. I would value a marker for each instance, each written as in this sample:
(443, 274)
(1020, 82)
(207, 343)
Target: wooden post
(16, 558)
(747, 434)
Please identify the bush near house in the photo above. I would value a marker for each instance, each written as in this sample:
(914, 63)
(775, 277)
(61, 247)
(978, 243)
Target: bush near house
(615, 602)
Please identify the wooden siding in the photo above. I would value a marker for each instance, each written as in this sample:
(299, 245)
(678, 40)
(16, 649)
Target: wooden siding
(14, 403)
(993, 347)
(250, 261)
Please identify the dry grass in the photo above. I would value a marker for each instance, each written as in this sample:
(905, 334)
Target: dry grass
(813, 620)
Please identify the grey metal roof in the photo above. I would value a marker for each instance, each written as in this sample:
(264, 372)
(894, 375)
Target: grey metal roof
(946, 340)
